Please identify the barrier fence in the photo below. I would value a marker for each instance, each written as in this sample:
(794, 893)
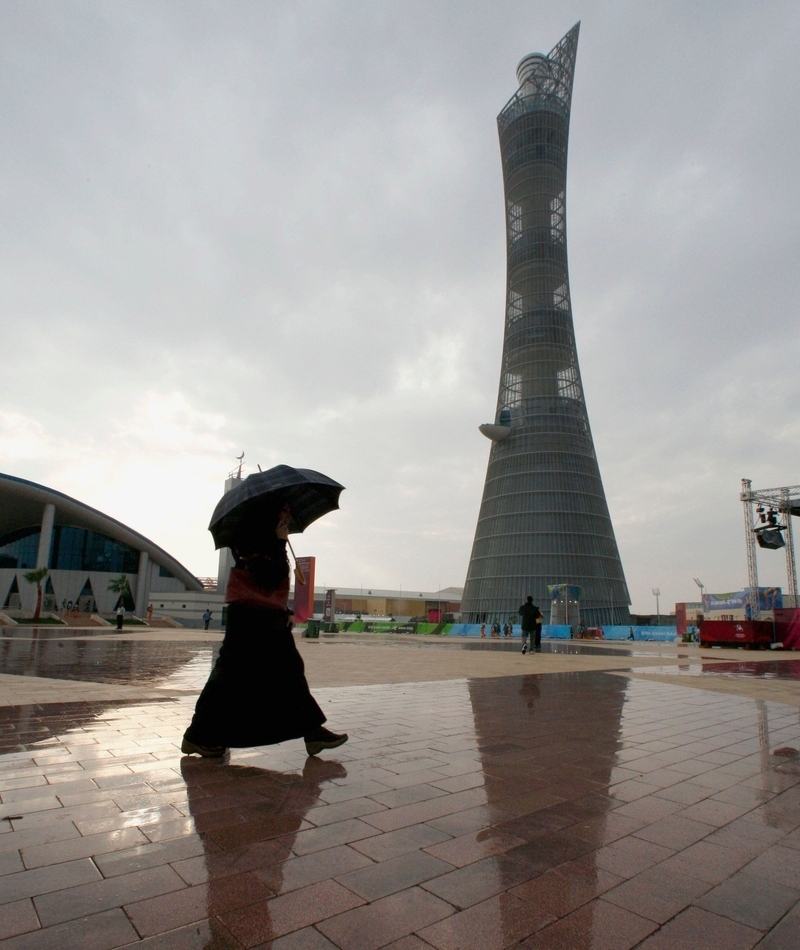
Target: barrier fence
(549, 631)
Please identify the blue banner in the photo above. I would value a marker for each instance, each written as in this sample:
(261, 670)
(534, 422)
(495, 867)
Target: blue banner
(769, 598)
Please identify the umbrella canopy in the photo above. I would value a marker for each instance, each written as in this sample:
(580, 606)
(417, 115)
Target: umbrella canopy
(309, 494)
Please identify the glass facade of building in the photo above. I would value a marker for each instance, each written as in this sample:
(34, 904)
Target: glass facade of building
(72, 549)
(543, 519)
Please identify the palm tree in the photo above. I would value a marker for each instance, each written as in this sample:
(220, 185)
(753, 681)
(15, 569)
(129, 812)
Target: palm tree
(36, 577)
(119, 585)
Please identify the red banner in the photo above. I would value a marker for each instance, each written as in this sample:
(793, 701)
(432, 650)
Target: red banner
(304, 589)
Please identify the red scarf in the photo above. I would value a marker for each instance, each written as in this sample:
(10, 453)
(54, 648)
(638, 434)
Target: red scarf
(242, 589)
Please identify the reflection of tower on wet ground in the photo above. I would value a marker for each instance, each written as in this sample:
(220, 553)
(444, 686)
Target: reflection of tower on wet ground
(548, 746)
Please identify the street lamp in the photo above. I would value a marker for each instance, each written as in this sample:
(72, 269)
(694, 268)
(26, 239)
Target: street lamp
(702, 587)
(657, 594)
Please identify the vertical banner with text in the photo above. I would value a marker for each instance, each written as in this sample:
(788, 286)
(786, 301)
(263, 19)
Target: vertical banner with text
(304, 589)
(330, 606)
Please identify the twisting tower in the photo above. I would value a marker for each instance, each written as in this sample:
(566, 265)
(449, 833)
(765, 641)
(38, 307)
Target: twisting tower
(543, 518)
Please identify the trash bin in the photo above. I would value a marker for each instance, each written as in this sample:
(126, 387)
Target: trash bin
(312, 630)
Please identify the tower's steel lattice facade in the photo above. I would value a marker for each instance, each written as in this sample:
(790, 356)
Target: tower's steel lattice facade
(543, 518)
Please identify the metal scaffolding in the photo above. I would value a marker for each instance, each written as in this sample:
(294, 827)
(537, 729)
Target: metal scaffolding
(785, 502)
(544, 519)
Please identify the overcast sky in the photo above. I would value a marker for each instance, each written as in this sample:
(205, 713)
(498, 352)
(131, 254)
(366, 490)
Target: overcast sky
(278, 228)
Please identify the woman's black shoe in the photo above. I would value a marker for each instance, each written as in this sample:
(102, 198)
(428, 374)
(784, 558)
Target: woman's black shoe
(323, 738)
(208, 752)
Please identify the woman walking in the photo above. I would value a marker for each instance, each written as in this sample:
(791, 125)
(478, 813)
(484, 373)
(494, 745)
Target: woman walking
(257, 693)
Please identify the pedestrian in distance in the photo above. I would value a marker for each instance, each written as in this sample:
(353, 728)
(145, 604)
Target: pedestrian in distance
(531, 622)
(206, 618)
(149, 612)
(483, 629)
(120, 616)
(257, 693)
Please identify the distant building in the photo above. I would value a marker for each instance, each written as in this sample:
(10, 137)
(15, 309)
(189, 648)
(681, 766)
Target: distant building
(83, 549)
(187, 609)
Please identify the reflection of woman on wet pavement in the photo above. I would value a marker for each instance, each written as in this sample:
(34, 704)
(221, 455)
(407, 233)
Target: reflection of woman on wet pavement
(257, 692)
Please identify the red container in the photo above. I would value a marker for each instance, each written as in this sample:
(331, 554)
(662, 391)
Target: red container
(736, 633)
(787, 627)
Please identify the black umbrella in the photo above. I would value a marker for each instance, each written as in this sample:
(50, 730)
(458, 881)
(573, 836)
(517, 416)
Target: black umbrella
(310, 496)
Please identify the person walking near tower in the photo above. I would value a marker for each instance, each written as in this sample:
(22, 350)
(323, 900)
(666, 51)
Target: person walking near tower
(530, 619)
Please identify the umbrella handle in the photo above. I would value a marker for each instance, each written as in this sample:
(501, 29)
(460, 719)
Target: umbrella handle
(298, 574)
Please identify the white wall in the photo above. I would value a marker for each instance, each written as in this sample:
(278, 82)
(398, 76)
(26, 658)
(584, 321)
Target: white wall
(188, 607)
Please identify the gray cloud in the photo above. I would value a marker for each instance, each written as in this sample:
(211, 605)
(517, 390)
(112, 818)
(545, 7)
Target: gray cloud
(279, 227)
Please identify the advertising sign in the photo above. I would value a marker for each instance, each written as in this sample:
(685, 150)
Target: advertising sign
(381, 626)
(564, 590)
(769, 598)
(304, 589)
(329, 614)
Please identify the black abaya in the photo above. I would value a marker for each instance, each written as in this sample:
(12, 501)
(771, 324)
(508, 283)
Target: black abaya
(257, 692)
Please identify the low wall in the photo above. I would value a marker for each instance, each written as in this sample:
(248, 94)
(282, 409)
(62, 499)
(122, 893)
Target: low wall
(550, 631)
(562, 632)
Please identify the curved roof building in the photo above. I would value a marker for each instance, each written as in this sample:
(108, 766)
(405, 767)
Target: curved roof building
(544, 524)
(83, 549)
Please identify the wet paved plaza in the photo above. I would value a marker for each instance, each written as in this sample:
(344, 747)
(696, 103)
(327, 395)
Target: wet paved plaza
(546, 806)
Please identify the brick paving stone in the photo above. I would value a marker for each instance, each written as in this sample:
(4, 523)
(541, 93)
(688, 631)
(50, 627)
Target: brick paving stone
(675, 832)
(294, 911)
(629, 856)
(18, 917)
(328, 836)
(778, 864)
(10, 862)
(597, 925)
(72, 902)
(170, 911)
(341, 811)
(478, 881)
(202, 935)
(396, 874)
(392, 843)
(657, 894)
(785, 935)
(102, 931)
(700, 930)
(560, 891)
(464, 822)
(44, 880)
(149, 855)
(385, 920)
(83, 847)
(750, 900)
(494, 924)
(474, 846)
(405, 815)
(411, 942)
(306, 939)
(288, 875)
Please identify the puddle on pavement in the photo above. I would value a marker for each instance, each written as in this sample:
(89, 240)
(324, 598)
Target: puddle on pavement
(768, 669)
(175, 665)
